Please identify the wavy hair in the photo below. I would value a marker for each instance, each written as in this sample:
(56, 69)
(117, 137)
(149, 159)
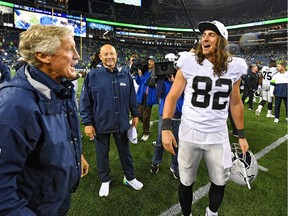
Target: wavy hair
(220, 55)
(42, 39)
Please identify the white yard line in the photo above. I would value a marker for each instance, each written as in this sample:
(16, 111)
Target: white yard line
(201, 192)
(263, 168)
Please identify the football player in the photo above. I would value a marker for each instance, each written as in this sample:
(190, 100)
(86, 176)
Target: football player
(210, 78)
(266, 76)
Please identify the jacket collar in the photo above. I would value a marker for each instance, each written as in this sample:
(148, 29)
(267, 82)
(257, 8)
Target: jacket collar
(45, 84)
(43, 89)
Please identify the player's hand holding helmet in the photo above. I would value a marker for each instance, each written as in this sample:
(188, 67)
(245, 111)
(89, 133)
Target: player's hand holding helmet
(244, 168)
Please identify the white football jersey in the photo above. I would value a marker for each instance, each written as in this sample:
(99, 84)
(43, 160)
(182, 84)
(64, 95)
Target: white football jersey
(206, 96)
(267, 74)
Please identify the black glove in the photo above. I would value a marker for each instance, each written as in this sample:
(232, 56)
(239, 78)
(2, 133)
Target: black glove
(151, 82)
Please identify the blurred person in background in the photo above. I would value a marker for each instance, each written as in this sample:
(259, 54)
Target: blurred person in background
(146, 96)
(250, 85)
(278, 90)
(5, 73)
(267, 72)
(94, 60)
(131, 59)
(41, 162)
(107, 98)
(20, 62)
(164, 84)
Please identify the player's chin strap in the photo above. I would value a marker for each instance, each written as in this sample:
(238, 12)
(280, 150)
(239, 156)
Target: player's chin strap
(246, 178)
(245, 173)
(244, 169)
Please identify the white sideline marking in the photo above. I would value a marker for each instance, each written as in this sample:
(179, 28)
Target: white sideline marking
(271, 147)
(263, 168)
(201, 192)
(176, 209)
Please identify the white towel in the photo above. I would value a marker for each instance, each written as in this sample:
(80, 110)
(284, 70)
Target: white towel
(132, 134)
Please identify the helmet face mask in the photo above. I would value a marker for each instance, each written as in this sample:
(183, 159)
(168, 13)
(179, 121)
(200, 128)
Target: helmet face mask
(257, 94)
(244, 168)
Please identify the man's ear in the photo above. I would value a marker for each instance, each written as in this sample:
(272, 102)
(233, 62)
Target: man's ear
(45, 59)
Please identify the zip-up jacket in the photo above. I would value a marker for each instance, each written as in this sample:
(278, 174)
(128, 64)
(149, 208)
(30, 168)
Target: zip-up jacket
(279, 84)
(163, 88)
(40, 147)
(142, 81)
(107, 98)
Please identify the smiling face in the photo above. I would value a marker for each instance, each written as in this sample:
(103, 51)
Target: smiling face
(208, 42)
(281, 68)
(151, 64)
(108, 56)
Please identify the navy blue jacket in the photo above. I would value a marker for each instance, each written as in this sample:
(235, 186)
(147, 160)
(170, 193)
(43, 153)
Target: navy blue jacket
(5, 74)
(40, 147)
(107, 98)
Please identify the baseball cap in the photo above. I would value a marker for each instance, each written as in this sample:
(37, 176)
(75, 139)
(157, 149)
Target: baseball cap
(215, 26)
(152, 58)
(170, 57)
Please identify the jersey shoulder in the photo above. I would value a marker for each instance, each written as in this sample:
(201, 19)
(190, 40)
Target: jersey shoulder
(239, 62)
(264, 68)
(238, 65)
(183, 58)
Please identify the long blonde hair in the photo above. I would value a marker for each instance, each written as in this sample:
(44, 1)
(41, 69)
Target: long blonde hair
(221, 56)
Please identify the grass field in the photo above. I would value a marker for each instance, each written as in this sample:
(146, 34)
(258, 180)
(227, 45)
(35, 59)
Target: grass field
(267, 197)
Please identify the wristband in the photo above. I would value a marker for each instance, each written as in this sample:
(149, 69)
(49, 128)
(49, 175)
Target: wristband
(241, 134)
(166, 124)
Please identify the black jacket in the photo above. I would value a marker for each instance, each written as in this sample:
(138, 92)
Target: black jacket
(251, 80)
